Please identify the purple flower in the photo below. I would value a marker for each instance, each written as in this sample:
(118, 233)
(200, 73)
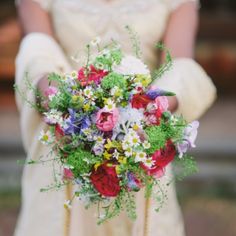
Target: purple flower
(133, 184)
(98, 149)
(86, 123)
(190, 135)
(153, 93)
(75, 124)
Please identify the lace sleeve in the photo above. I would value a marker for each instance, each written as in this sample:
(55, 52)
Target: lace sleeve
(173, 4)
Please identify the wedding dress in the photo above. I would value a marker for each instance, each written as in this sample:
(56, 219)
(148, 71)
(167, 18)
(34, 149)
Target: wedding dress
(77, 22)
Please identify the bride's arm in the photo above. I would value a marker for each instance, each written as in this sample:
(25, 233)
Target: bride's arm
(194, 90)
(180, 35)
(39, 53)
(34, 18)
(181, 30)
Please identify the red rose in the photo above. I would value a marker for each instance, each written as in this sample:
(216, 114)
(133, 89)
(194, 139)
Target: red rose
(161, 158)
(58, 132)
(105, 180)
(140, 101)
(94, 75)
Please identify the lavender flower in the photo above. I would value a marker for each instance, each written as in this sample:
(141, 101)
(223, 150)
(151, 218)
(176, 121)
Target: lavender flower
(153, 93)
(76, 124)
(98, 149)
(133, 183)
(190, 135)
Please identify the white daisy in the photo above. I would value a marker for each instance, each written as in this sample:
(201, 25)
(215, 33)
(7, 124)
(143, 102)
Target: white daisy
(134, 140)
(129, 152)
(109, 105)
(146, 144)
(140, 156)
(67, 204)
(88, 92)
(126, 144)
(45, 137)
(148, 162)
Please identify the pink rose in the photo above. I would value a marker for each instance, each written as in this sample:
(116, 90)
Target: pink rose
(162, 103)
(106, 120)
(155, 109)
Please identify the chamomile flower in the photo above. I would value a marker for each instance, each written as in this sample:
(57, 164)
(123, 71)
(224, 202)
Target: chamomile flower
(129, 152)
(136, 127)
(132, 133)
(140, 156)
(52, 117)
(146, 144)
(45, 137)
(148, 162)
(134, 140)
(116, 91)
(99, 139)
(74, 74)
(67, 204)
(88, 92)
(126, 144)
(109, 104)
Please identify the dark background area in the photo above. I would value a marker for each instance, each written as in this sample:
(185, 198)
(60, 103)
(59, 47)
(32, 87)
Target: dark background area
(207, 198)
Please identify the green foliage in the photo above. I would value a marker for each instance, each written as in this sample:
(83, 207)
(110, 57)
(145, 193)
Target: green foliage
(110, 55)
(184, 166)
(166, 65)
(81, 161)
(135, 41)
(156, 137)
(113, 79)
(173, 130)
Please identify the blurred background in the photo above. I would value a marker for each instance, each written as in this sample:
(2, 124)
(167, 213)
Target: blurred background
(208, 198)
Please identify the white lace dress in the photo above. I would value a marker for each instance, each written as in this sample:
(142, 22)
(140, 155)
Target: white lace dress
(76, 22)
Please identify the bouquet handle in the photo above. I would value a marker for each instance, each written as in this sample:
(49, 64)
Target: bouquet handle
(146, 216)
(67, 221)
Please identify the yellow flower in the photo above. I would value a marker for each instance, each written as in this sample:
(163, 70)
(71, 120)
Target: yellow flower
(75, 98)
(109, 144)
(97, 165)
(86, 107)
(118, 169)
(74, 74)
(135, 127)
(122, 160)
(145, 80)
(107, 155)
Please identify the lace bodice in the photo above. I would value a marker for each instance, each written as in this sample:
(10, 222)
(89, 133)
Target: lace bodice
(77, 22)
(94, 6)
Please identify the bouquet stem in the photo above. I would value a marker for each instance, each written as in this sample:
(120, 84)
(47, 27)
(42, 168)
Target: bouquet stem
(146, 216)
(68, 193)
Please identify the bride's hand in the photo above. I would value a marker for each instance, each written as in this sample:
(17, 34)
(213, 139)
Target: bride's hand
(43, 86)
(173, 103)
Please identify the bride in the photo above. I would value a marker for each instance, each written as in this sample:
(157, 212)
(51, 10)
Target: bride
(54, 31)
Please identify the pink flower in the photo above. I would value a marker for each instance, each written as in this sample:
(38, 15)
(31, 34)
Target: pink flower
(51, 91)
(106, 120)
(67, 174)
(155, 109)
(162, 103)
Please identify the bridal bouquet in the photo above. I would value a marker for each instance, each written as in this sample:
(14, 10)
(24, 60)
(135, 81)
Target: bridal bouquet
(111, 132)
